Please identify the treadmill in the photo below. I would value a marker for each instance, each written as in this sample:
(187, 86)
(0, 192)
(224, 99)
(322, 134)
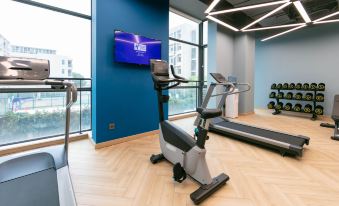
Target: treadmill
(38, 177)
(286, 144)
(335, 117)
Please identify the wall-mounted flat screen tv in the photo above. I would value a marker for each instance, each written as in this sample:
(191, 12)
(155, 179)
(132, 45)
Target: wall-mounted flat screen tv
(135, 49)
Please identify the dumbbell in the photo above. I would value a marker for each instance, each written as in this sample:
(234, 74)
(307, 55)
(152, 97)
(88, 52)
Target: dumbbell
(272, 95)
(271, 105)
(280, 95)
(319, 110)
(274, 86)
(279, 86)
(306, 86)
(285, 86)
(289, 95)
(308, 108)
(279, 106)
(291, 86)
(288, 107)
(309, 96)
(321, 87)
(298, 96)
(320, 97)
(297, 108)
(298, 86)
(313, 86)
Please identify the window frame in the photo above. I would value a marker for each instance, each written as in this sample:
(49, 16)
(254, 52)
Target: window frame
(200, 83)
(81, 89)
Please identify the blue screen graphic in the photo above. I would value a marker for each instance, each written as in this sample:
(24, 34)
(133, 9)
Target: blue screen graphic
(135, 49)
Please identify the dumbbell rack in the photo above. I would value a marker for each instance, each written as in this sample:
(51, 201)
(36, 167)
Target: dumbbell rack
(315, 102)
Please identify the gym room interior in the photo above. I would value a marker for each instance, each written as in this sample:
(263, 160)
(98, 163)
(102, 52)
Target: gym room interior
(169, 102)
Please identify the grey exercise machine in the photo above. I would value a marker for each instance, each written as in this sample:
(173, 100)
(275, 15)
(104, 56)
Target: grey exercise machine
(283, 142)
(181, 149)
(335, 117)
(38, 177)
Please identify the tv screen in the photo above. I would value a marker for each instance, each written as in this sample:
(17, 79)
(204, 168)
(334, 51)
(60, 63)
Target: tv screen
(135, 49)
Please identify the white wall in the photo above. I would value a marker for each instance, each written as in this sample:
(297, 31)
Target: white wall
(309, 55)
(232, 55)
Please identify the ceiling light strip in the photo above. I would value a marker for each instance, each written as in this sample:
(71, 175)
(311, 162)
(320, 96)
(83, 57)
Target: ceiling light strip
(211, 7)
(273, 27)
(302, 11)
(248, 7)
(222, 23)
(285, 32)
(326, 17)
(267, 15)
(327, 21)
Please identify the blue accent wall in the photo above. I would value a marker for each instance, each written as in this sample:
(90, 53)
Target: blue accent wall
(308, 55)
(123, 94)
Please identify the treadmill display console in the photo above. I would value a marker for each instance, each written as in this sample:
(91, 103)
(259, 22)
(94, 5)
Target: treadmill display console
(218, 77)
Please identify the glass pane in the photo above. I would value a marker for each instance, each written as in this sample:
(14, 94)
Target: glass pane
(80, 6)
(205, 63)
(183, 28)
(64, 40)
(29, 116)
(86, 110)
(205, 32)
(182, 100)
(184, 58)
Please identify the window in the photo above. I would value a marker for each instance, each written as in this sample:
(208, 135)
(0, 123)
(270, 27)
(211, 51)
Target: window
(179, 58)
(182, 28)
(178, 36)
(28, 116)
(178, 69)
(171, 60)
(194, 53)
(178, 47)
(184, 35)
(184, 59)
(194, 35)
(60, 38)
(194, 66)
(79, 6)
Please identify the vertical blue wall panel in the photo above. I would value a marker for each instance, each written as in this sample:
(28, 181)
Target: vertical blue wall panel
(309, 55)
(123, 94)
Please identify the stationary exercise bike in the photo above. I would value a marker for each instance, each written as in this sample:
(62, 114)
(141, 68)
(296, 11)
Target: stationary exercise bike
(181, 149)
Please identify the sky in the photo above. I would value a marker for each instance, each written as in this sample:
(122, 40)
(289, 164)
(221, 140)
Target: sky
(176, 20)
(70, 36)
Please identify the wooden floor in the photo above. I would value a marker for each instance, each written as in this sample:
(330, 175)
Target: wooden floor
(122, 174)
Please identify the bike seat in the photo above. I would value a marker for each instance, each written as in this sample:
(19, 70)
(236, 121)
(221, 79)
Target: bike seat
(209, 113)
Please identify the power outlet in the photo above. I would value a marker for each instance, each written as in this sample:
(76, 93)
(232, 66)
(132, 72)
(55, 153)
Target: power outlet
(111, 126)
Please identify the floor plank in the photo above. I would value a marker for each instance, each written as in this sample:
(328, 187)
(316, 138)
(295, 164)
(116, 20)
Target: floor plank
(122, 174)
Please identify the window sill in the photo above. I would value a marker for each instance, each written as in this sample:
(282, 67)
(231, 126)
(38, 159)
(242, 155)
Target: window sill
(182, 116)
(21, 147)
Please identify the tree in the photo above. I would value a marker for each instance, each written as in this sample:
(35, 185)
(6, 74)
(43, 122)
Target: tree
(85, 83)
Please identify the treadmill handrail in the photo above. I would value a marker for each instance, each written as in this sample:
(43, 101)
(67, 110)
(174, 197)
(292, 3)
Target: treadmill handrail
(43, 82)
(71, 98)
(232, 92)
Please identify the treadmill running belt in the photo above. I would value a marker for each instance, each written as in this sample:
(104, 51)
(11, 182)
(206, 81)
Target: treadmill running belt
(37, 189)
(290, 139)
